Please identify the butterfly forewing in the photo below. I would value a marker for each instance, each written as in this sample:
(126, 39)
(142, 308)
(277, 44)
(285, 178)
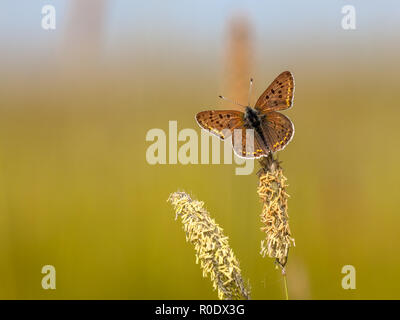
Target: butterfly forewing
(220, 122)
(278, 130)
(279, 94)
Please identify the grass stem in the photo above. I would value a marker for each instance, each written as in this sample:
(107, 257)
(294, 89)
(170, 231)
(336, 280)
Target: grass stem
(285, 283)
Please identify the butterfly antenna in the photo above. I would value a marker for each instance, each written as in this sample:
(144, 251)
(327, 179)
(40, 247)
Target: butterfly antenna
(231, 101)
(250, 89)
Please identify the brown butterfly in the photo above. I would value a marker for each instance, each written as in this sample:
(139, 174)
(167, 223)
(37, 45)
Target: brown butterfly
(271, 130)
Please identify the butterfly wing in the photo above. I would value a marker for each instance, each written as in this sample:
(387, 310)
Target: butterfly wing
(244, 149)
(220, 122)
(278, 130)
(279, 95)
(226, 123)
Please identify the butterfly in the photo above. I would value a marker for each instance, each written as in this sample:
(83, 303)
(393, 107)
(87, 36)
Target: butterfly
(270, 131)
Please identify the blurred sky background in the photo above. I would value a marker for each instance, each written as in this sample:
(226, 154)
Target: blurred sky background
(76, 103)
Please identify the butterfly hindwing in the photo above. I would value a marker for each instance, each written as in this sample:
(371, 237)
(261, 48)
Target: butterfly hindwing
(248, 148)
(226, 123)
(278, 130)
(279, 94)
(220, 122)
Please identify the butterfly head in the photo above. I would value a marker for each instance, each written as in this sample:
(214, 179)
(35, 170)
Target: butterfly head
(252, 117)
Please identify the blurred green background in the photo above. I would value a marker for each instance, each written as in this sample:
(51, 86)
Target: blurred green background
(76, 103)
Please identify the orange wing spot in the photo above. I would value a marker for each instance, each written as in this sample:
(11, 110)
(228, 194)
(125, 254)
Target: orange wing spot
(216, 131)
(288, 96)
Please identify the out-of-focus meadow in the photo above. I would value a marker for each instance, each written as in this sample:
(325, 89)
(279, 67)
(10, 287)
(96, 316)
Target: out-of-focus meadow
(76, 103)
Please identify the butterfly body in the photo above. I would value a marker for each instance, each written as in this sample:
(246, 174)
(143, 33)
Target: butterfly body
(272, 130)
(254, 119)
